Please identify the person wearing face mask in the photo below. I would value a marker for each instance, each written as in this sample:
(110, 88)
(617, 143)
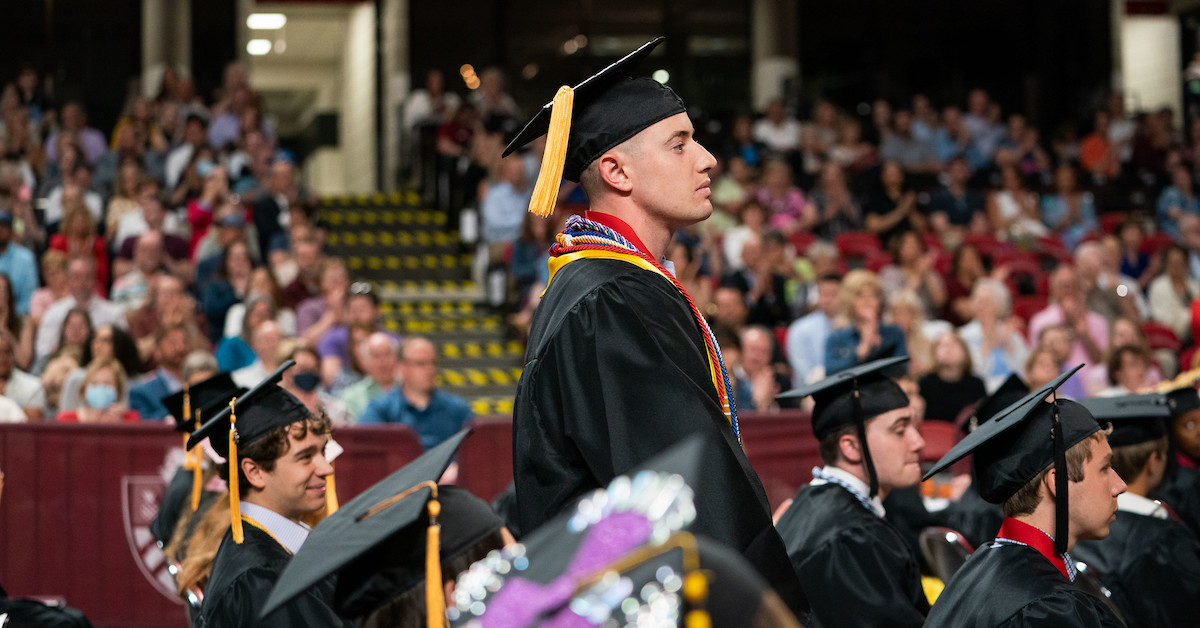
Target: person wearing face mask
(102, 389)
(304, 382)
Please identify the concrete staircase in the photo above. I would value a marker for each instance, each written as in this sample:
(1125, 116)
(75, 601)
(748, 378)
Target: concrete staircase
(423, 275)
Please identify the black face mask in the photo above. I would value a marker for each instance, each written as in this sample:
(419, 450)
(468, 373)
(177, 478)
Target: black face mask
(307, 382)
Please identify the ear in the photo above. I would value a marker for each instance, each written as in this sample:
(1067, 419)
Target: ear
(1049, 483)
(448, 589)
(254, 473)
(611, 168)
(848, 447)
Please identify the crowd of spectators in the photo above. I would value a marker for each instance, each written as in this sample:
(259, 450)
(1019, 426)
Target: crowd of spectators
(182, 235)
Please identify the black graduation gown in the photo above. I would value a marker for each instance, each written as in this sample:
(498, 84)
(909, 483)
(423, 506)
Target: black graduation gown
(178, 493)
(978, 520)
(616, 372)
(1014, 585)
(1152, 568)
(1181, 491)
(242, 579)
(906, 511)
(856, 568)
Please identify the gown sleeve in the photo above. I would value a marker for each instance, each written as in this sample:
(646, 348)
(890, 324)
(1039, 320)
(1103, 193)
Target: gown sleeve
(1064, 608)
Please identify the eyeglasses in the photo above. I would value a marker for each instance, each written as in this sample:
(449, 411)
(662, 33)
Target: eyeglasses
(361, 287)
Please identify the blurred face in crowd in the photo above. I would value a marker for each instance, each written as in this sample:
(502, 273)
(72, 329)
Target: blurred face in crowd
(868, 305)
(308, 257)
(1042, 369)
(102, 343)
(335, 281)
(75, 330)
(1181, 179)
(148, 252)
(282, 177)
(902, 122)
(6, 357)
(891, 175)
(1125, 332)
(1132, 374)
(362, 310)
(731, 307)
(418, 365)
(1058, 341)
(903, 316)
(173, 349)
(1187, 434)
(1175, 264)
(259, 313)
(896, 445)
(777, 176)
(775, 111)
(756, 350)
(379, 358)
(72, 117)
(266, 341)
(81, 280)
(827, 296)
(169, 292)
(261, 282)
(237, 260)
(949, 351)
(977, 102)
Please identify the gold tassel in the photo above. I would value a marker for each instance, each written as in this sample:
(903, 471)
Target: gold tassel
(435, 597)
(187, 416)
(331, 500)
(197, 472)
(235, 508)
(545, 192)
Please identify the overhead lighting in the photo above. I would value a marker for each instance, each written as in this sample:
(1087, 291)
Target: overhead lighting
(265, 21)
(258, 47)
(662, 76)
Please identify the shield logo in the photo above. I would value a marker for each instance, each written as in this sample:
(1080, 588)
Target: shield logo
(140, 496)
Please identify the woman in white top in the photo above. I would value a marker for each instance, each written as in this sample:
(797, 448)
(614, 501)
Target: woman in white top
(1013, 209)
(994, 337)
(1171, 293)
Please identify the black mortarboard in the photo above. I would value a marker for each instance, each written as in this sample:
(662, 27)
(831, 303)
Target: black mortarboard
(584, 122)
(208, 397)
(1015, 446)
(1010, 392)
(350, 540)
(1183, 400)
(851, 398)
(1135, 419)
(262, 409)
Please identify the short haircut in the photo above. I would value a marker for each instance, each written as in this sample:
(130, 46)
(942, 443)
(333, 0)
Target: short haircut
(270, 447)
(829, 449)
(199, 362)
(1117, 357)
(1128, 461)
(1028, 497)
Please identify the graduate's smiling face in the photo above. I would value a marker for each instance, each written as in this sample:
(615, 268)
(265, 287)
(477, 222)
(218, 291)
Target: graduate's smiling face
(896, 446)
(669, 172)
(296, 485)
(1092, 502)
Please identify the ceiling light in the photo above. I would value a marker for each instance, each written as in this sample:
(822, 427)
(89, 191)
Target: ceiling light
(258, 47)
(265, 21)
(662, 76)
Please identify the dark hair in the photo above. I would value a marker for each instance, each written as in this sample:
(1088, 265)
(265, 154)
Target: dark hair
(1117, 356)
(223, 271)
(125, 351)
(12, 323)
(1128, 461)
(270, 447)
(1027, 498)
(829, 449)
(86, 349)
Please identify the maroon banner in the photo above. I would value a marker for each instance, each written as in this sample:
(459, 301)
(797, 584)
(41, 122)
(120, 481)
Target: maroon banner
(78, 501)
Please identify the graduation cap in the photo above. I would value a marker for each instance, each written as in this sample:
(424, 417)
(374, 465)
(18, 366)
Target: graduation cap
(188, 406)
(368, 542)
(585, 121)
(851, 398)
(1183, 400)
(1135, 419)
(1015, 446)
(1011, 391)
(255, 414)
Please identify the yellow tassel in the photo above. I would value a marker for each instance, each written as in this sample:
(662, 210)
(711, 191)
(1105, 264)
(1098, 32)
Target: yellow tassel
(435, 597)
(187, 416)
(545, 192)
(197, 469)
(235, 509)
(331, 500)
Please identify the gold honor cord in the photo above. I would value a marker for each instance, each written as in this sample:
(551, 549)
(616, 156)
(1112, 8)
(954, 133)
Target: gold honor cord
(545, 192)
(695, 583)
(235, 508)
(435, 597)
(187, 416)
(1183, 380)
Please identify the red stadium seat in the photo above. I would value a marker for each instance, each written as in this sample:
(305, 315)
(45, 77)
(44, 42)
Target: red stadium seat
(1110, 221)
(939, 437)
(802, 240)
(1156, 242)
(988, 245)
(875, 261)
(1025, 307)
(856, 243)
(1161, 337)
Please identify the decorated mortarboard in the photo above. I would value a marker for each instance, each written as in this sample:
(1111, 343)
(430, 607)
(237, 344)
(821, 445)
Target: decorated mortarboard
(188, 406)
(1015, 446)
(244, 420)
(618, 554)
(585, 121)
(404, 508)
(1135, 419)
(851, 398)
(1010, 392)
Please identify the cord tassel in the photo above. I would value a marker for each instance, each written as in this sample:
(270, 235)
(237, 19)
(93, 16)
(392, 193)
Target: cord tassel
(545, 192)
(187, 416)
(331, 500)
(235, 508)
(197, 457)
(435, 598)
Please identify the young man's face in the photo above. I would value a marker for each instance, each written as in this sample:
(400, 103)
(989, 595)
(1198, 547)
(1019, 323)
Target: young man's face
(895, 445)
(297, 484)
(1093, 502)
(669, 171)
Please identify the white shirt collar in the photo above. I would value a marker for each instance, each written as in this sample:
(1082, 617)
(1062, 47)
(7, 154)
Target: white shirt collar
(289, 533)
(855, 483)
(1138, 505)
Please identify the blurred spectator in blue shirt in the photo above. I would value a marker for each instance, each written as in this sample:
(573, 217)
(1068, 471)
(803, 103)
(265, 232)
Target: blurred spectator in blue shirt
(433, 414)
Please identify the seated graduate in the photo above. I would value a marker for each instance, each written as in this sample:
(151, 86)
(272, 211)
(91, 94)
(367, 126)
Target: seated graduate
(1180, 488)
(396, 547)
(623, 556)
(855, 567)
(1030, 458)
(278, 474)
(1150, 560)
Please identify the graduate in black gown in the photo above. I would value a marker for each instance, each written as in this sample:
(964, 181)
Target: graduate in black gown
(1180, 488)
(277, 474)
(855, 567)
(620, 363)
(1029, 459)
(1150, 560)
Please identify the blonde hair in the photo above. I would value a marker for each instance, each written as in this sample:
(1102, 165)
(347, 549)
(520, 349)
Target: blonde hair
(854, 282)
(98, 365)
